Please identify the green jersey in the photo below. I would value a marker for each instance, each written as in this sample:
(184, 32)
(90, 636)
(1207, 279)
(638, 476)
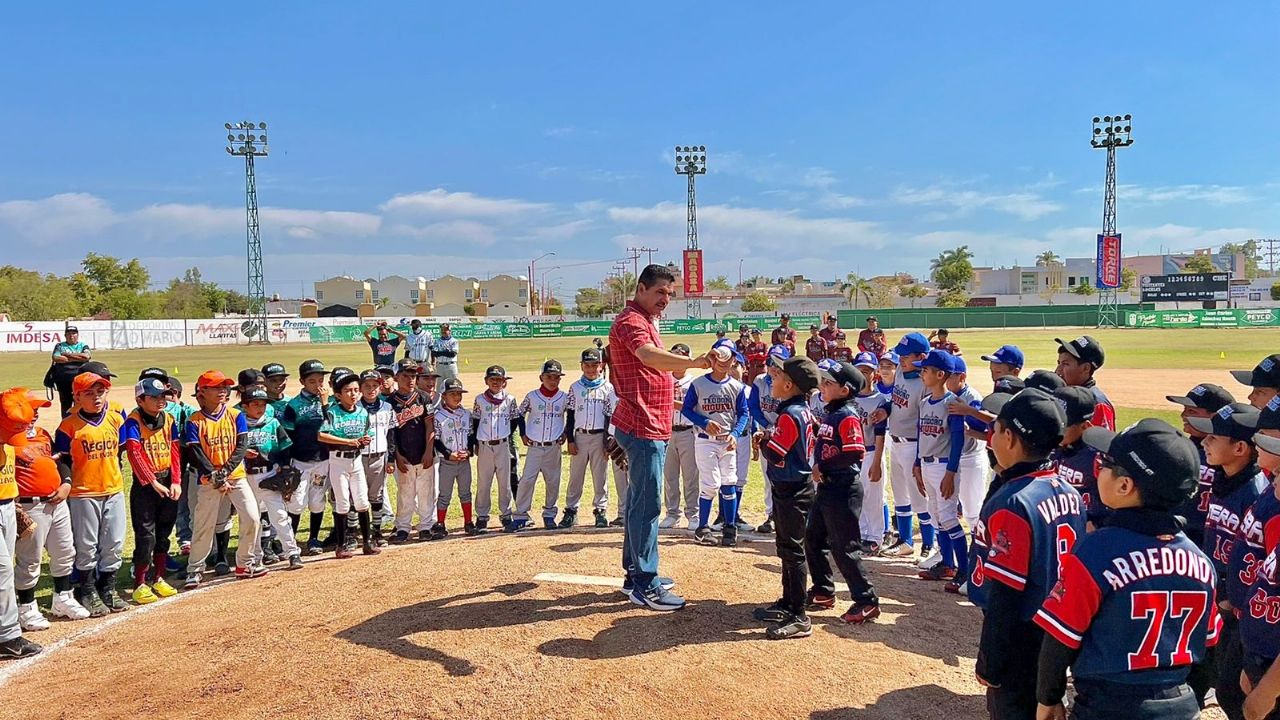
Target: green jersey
(350, 424)
(180, 412)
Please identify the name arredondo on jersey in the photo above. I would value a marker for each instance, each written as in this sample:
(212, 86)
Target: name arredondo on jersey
(1154, 562)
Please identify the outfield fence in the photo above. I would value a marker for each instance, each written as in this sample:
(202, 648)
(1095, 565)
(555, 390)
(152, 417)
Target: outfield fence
(981, 317)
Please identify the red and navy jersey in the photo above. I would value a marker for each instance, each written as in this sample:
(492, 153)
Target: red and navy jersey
(1078, 467)
(838, 448)
(1225, 514)
(1260, 616)
(1139, 608)
(1196, 509)
(1024, 527)
(1104, 414)
(789, 450)
(1259, 533)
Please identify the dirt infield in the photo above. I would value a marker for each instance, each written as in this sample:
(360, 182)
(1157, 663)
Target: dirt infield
(464, 628)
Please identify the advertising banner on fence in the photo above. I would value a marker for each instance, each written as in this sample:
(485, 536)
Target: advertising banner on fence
(1109, 261)
(579, 328)
(1191, 287)
(1227, 318)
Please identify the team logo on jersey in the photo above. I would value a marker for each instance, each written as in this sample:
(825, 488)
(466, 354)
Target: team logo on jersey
(1001, 545)
(1058, 592)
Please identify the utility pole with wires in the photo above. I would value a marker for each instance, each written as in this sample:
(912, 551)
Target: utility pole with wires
(1272, 254)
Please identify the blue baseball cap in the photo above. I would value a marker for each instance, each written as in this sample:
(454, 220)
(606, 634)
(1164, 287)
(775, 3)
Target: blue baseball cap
(958, 364)
(865, 359)
(939, 359)
(912, 343)
(828, 364)
(1008, 355)
(890, 357)
(779, 351)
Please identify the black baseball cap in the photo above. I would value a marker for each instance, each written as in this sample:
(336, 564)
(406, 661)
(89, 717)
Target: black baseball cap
(175, 386)
(252, 394)
(813, 327)
(943, 331)
(341, 378)
(311, 367)
(784, 316)
(1083, 348)
(452, 385)
(1008, 385)
(70, 329)
(250, 376)
(681, 349)
(1046, 380)
(1238, 421)
(97, 368)
(842, 373)
(1265, 375)
(803, 372)
(1035, 416)
(274, 370)
(1077, 403)
(385, 370)
(407, 366)
(1204, 396)
(1163, 462)
(1269, 417)
(591, 355)
(154, 372)
(370, 375)
(552, 367)
(496, 371)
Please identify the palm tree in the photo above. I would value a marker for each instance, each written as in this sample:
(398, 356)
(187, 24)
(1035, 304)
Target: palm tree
(855, 286)
(949, 257)
(1048, 258)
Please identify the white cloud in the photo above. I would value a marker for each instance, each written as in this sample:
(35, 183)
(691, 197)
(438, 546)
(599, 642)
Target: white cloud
(1212, 194)
(457, 231)
(58, 218)
(558, 132)
(564, 230)
(1024, 205)
(459, 204)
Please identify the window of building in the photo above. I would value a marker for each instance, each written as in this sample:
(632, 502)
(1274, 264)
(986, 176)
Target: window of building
(375, 295)
(431, 294)
(1071, 281)
(359, 296)
(319, 294)
(413, 296)
(524, 292)
(484, 293)
(469, 294)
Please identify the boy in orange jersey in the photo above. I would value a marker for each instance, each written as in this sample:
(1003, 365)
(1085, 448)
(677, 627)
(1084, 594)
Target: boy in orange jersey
(87, 445)
(217, 439)
(15, 416)
(151, 442)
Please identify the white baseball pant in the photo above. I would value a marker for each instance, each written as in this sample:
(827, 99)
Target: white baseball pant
(974, 475)
(945, 511)
(273, 504)
(871, 519)
(590, 455)
(493, 462)
(907, 498)
(717, 466)
(208, 506)
(539, 460)
(350, 489)
(310, 494)
(416, 491)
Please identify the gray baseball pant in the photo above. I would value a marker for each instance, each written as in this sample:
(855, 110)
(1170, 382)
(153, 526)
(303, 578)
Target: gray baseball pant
(273, 504)
(9, 628)
(98, 525)
(375, 473)
(447, 371)
(493, 462)
(681, 464)
(590, 454)
(416, 491)
(241, 497)
(544, 460)
(453, 471)
(52, 533)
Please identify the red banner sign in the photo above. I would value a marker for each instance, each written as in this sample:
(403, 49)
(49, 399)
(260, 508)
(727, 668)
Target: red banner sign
(693, 285)
(1109, 261)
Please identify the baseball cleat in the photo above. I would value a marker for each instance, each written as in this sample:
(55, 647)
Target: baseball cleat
(775, 613)
(378, 539)
(30, 618)
(657, 599)
(602, 521)
(956, 588)
(370, 549)
(222, 569)
(439, 531)
(819, 601)
(66, 606)
(766, 527)
(667, 522)
(549, 523)
(277, 547)
(482, 523)
(858, 614)
(899, 549)
(172, 565)
(744, 526)
(569, 519)
(142, 595)
(402, 536)
(514, 526)
(729, 538)
(506, 521)
(790, 627)
(113, 601)
(938, 572)
(295, 562)
(94, 604)
(472, 529)
(870, 548)
(270, 558)
(162, 588)
(192, 581)
(703, 535)
(929, 556)
(314, 547)
(18, 647)
(617, 522)
(343, 553)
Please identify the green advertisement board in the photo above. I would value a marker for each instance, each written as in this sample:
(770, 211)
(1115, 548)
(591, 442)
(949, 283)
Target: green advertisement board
(578, 328)
(1226, 318)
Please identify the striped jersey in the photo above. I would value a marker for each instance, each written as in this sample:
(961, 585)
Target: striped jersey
(591, 405)
(93, 444)
(722, 401)
(495, 414)
(544, 416)
(453, 427)
(156, 443)
(216, 434)
(381, 419)
(908, 389)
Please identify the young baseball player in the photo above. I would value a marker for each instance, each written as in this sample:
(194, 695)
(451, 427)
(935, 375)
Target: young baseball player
(784, 334)
(276, 383)
(444, 353)
(41, 493)
(1201, 401)
(743, 343)
(841, 352)
(1133, 606)
(763, 407)
(941, 440)
(454, 443)
(680, 471)
(904, 419)
(971, 479)
(787, 448)
(1078, 361)
(16, 615)
(874, 516)
(270, 474)
(494, 420)
(716, 405)
(413, 432)
(1027, 523)
(217, 439)
(1006, 360)
(347, 431)
(151, 444)
(832, 528)
(756, 354)
(248, 380)
(374, 455)
(1263, 380)
(886, 374)
(743, 447)
(544, 433)
(591, 402)
(1075, 460)
(815, 346)
(302, 418)
(1259, 624)
(940, 339)
(87, 445)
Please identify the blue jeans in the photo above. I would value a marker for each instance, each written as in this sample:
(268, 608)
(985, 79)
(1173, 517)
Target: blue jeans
(645, 459)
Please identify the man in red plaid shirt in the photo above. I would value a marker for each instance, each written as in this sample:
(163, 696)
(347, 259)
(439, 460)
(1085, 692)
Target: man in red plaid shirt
(642, 425)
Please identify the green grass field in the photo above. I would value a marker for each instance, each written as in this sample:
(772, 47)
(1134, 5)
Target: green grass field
(1131, 349)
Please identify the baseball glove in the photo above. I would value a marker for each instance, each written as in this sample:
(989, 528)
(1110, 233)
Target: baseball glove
(615, 452)
(25, 525)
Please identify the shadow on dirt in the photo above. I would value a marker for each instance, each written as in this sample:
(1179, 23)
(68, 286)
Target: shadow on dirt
(917, 703)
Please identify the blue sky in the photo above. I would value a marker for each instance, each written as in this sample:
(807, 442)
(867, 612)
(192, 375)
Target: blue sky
(425, 138)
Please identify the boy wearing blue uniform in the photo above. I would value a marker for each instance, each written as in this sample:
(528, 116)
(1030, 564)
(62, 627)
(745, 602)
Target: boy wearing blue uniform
(874, 516)
(833, 530)
(716, 405)
(1030, 520)
(1134, 606)
(1260, 617)
(1075, 459)
(788, 449)
(904, 420)
(941, 440)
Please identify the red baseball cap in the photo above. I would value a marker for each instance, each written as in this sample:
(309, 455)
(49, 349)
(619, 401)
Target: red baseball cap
(213, 378)
(16, 415)
(86, 380)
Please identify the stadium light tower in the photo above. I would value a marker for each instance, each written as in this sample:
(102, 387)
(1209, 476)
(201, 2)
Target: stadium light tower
(249, 140)
(691, 161)
(1110, 132)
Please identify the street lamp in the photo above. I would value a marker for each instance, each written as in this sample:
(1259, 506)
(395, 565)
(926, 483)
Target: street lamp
(532, 283)
(249, 140)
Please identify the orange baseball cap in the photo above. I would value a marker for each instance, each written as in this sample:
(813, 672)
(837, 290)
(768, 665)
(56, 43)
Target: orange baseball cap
(38, 401)
(86, 380)
(16, 415)
(213, 378)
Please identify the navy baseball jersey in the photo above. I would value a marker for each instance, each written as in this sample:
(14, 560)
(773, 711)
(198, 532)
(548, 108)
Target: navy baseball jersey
(1024, 528)
(1196, 509)
(1259, 533)
(789, 450)
(1260, 617)
(1104, 413)
(1077, 466)
(839, 447)
(1139, 608)
(1223, 522)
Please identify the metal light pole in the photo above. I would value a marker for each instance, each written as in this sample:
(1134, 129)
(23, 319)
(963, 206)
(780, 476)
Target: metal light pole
(1110, 132)
(691, 161)
(533, 285)
(249, 140)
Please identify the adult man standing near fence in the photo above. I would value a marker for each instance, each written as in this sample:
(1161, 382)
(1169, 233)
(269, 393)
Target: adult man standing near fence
(642, 377)
(418, 343)
(445, 353)
(784, 334)
(871, 339)
(68, 357)
(385, 344)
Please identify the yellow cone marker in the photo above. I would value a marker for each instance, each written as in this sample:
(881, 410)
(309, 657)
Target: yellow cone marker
(1222, 355)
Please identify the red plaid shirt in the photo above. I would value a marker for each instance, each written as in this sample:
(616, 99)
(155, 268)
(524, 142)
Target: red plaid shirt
(644, 394)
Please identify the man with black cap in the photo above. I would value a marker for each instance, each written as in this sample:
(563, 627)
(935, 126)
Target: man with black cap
(870, 339)
(1133, 607)
(784, 334)
(69, 357)
(1264, 380)
(1078, 361)
(1201, 401)
(1029, 519)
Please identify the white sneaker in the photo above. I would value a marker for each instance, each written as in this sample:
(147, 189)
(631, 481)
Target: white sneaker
(693, 524)
(66, 606)
(667, 522)
(30, 617)
(928, 561)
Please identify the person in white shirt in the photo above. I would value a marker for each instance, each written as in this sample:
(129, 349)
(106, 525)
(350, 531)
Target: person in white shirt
(680, 458)
(418, 343)
(382, 420)
(544, 432)
(444, 353)
(494, 420)
(591, 401)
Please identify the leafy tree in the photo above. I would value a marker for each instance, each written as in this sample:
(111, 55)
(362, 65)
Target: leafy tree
(1084, 288)
(27, 295)
(1252, 255)
(881, 293)
(1128, 279)
(1199, 264)
(855, 287)
(1275, 290)
(758, 302)
(952, 269)
(1048, 258)
(912, 292)
(953, 298)
(719, 282)
(591, 302)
